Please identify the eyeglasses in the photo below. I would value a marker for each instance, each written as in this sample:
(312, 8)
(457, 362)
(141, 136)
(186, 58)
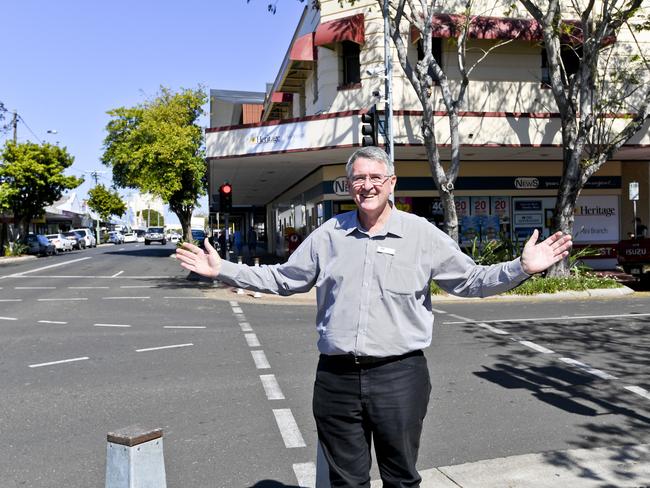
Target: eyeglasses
(375, 180)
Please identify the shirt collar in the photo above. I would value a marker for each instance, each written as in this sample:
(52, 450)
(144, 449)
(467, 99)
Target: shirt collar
(349, 222)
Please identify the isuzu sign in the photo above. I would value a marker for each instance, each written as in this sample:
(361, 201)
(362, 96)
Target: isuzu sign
(526, 183)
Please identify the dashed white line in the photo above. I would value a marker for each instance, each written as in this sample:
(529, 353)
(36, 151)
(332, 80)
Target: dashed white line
(117, 274)
(111, 325)
(138, 286)
(537, 319)
(234, 304)
(88, 288)
(260, 360)
(588, 369)
(18, 275)
(536, 347)
(288, 428)
(34, 287)
(188, 298)
(51, 322)
(125, 298)
(184, 327)
(163, 347)
(245, 327)
(58, 362)
(77, 299)
(237, 310)
(252, 340)
(271, 387)
(639, 391)
(305, 474)
(437, 310)
(8, 318)
(493, 329)
(11, 300)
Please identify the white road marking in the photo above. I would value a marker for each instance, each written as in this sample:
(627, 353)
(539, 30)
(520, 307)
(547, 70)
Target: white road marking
(639, 391)
(288, 428)
(437, 310)
(8, 318)
(237, 310)
(111, 325)
(245, 327)
(184, 327)
(188, 298)
(252, 340)
(77, 299)
(94, 277)
(163, 347)
(493, 329)
(125, 298)
(588, 369)
(51, 322)
(58, 362)
(305, 474)
(117, 274)
(34, 287)
(260, 360)
(11, 300)
(16, 275)
(563, 317)
(88, 288)
(271, 387)
(536, 347)
(138, 286)
(234, 304)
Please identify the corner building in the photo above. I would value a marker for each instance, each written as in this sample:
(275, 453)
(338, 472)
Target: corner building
(284, 150)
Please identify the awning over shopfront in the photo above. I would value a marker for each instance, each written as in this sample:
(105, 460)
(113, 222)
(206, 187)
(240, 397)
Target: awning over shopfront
(497, 28)
(345, 29)
(303, 48)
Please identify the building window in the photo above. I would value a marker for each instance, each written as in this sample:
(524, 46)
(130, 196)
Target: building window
(570, 56)
(350, 63)
(436, 49)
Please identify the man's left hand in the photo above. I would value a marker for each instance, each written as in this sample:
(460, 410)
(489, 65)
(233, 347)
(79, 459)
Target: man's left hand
(537, 257)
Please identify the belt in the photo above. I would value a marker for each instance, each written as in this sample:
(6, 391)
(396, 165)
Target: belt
(361, 361)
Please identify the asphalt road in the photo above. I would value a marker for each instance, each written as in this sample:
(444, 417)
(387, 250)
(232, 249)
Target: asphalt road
(98, 340)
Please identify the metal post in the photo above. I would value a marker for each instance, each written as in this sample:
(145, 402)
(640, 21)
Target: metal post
(134, 458)
(240, 291)
(388, 113)
(257, 294)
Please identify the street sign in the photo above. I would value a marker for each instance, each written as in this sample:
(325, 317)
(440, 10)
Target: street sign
(634, 190)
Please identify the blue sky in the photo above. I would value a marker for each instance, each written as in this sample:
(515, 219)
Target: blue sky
(64, 64)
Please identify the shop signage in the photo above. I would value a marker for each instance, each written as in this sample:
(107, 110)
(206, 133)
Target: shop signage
(528, 219)
(341, 186)
(526, 183)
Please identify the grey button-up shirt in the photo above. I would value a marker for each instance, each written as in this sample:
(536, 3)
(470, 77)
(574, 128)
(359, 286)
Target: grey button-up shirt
(373, 295)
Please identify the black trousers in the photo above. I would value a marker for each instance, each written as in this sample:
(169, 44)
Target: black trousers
(385, 403)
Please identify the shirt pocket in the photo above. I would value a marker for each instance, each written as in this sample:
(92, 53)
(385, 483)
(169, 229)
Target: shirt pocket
(402, 278)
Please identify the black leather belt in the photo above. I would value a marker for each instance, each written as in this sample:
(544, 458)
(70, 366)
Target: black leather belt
(351, 359)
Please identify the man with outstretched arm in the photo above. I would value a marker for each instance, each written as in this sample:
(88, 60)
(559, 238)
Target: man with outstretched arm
(372, 269)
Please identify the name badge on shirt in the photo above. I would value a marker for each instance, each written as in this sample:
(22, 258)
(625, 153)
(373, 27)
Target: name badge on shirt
(386, 250)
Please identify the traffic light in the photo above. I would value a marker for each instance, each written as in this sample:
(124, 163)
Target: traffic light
(369, 127)
(225, 198)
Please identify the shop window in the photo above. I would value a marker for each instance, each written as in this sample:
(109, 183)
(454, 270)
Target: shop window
(436, 50)
(570, 56)
(351, 67)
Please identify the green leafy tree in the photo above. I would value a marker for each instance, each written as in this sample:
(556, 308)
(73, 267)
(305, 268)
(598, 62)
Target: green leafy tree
(157, 147)
(152, 217)
(606, 80)
(106, 202)
(31, 177)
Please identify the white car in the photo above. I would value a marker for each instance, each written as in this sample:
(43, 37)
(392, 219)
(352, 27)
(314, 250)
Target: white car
(174, 237)
(61, 242)
(88, 236)
(130, 237)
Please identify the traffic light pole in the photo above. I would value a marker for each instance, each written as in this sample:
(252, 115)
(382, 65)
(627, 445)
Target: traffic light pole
(388, 111)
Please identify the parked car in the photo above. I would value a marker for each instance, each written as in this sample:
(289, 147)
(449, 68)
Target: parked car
(140, 234)
(174, 237)
(38, 244)
(61, 242)
(115, 237)
(78, 242)
(155, 234)
(88, 236)
(130, 237)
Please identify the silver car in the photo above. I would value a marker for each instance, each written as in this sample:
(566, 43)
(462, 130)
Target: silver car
(155, 234)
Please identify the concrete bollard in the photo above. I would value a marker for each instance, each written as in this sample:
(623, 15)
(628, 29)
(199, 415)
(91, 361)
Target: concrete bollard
(257, 294)
(134, 459)
(240, 291)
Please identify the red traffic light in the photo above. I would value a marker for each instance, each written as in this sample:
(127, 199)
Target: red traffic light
(226, 188)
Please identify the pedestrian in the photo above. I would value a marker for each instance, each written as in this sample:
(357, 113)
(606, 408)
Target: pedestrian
(640, 229)
(373, 268)
(238, 242)
(223, 244)
(251, 241)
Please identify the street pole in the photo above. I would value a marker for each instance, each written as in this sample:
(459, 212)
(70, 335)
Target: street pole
(388, 110)
(14, 123)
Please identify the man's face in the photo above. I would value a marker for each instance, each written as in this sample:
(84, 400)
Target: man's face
(371, 198)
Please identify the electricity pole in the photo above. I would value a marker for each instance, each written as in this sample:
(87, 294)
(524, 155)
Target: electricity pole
(14, 124)
(95, 176)
(388, 113)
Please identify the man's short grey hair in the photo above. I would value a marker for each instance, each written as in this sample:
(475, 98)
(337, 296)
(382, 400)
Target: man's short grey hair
(374, 153)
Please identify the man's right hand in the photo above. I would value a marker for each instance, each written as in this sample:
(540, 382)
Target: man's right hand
(193, 258)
